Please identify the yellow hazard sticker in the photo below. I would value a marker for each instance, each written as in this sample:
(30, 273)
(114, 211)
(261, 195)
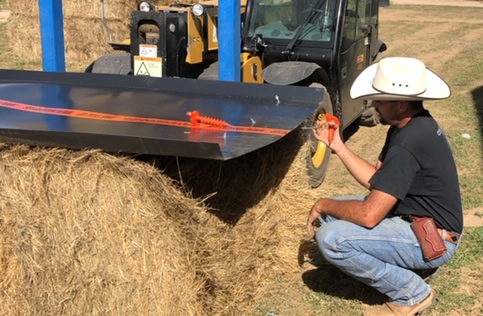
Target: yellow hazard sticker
(148, 66)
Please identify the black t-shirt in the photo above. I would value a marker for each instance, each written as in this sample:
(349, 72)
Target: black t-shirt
(418, 169)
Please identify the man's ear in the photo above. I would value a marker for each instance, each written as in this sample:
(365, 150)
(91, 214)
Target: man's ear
(403, 106)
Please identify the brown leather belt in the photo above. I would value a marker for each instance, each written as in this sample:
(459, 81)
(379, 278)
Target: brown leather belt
(450, 236)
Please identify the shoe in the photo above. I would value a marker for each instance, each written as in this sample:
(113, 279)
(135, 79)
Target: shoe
(391, 309)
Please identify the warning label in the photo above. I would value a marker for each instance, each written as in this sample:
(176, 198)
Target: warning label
(148, 66)
(148, 50)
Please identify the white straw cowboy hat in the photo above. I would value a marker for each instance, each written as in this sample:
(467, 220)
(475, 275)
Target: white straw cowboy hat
(399, 78)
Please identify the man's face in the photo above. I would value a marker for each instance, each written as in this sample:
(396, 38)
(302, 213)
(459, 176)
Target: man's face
(387, 111)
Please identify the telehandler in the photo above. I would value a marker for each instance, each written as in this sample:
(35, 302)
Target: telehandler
(298, 61)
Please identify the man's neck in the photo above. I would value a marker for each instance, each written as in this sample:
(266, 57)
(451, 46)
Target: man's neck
(405, 120)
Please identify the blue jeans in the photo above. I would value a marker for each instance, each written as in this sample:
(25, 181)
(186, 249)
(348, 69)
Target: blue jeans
(381, 257)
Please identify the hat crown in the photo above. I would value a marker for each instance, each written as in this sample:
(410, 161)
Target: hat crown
(400, 76)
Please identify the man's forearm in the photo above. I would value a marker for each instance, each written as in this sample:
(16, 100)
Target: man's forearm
(368, 212)
(345, 210)
(350, 211)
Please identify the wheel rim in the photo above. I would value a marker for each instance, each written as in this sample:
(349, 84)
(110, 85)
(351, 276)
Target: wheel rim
(319, 154)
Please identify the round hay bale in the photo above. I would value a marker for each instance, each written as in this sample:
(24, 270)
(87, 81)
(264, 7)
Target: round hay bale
(89, 233)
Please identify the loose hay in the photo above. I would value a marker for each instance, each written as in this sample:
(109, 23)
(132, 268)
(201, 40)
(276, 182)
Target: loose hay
(84, 232)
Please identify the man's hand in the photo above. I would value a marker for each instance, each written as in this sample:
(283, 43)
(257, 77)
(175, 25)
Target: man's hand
(322, 131)
(314, 214)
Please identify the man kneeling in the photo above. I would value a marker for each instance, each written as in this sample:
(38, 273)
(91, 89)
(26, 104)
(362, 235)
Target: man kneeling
(412, 218)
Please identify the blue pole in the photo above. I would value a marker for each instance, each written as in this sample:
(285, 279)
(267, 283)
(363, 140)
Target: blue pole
(52, 35)
(229, 23)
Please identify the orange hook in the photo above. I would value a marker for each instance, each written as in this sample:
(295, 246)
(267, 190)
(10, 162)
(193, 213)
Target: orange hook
(333, 119)
(196, 118)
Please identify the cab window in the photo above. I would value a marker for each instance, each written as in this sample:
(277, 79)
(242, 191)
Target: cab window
(357, 16)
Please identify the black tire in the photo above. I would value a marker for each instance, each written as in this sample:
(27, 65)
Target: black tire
(210, 73)
(318, 153)
(118, 63)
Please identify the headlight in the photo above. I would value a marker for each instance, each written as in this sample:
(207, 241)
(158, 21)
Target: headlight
(145, 7)
(197, 9)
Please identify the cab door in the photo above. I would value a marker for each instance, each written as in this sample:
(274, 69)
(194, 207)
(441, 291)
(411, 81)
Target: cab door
(358, 33)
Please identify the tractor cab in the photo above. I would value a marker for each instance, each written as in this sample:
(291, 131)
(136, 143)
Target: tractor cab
(286, 20)
(305, 42)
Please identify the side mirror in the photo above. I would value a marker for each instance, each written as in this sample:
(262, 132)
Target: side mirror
(256, 44)
(366, 30)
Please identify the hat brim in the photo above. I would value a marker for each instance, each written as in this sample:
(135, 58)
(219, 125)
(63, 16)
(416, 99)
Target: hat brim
(436, 88)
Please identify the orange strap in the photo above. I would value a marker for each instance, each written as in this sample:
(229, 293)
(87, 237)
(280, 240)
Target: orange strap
(137, 119)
